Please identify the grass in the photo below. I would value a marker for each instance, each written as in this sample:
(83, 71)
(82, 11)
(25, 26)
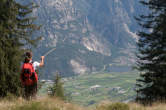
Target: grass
(46, 103)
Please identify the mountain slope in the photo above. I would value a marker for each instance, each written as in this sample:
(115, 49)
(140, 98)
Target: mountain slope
(89, 35)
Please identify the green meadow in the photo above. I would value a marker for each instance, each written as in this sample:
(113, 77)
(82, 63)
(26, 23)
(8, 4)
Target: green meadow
(90, 89)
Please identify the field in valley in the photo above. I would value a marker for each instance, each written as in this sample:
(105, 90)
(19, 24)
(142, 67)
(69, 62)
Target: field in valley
(90, 89)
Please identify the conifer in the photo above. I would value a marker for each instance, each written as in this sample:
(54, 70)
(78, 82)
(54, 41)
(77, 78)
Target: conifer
(57, 89)
(16, 29)
(151, 55)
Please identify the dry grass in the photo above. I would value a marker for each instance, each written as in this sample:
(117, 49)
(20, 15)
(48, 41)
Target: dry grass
(133, 106)
(39, 104)
(156, 106)
(46, 103)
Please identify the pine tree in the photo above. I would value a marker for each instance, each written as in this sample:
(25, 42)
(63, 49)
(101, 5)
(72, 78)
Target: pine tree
(57, 89)
(16, 28)
(151, 60)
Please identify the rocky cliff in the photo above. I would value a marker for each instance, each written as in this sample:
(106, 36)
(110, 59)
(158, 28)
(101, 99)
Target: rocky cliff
(89, 35)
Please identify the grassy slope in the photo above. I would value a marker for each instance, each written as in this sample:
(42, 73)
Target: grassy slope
(56, 104)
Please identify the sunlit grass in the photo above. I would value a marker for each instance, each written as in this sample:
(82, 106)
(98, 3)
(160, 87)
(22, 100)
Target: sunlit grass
(44, 103)
(47, 103)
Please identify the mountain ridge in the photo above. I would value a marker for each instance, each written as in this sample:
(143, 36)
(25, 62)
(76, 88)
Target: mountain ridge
(89, 35)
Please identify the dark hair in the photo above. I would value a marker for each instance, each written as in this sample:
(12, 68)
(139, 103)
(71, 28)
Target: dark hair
(28, 56)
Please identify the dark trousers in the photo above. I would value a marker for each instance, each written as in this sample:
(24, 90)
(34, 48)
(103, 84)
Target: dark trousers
(30, 91)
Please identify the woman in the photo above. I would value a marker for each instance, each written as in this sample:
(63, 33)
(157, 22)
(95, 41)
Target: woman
(29, 77)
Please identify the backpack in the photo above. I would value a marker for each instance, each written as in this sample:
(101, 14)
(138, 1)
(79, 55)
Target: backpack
(28, 74)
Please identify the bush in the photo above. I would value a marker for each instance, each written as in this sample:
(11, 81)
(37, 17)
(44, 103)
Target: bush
(118, 106)
(10, 97)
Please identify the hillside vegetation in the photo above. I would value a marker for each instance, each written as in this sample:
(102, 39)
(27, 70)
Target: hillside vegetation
(46, 103)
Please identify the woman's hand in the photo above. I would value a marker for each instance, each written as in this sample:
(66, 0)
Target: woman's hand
(42, 57)
(42, 61)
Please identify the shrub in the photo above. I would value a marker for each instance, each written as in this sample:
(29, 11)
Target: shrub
(118, 106)
(10, 97)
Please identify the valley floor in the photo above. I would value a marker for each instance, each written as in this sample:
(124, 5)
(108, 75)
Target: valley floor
(90, 89)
